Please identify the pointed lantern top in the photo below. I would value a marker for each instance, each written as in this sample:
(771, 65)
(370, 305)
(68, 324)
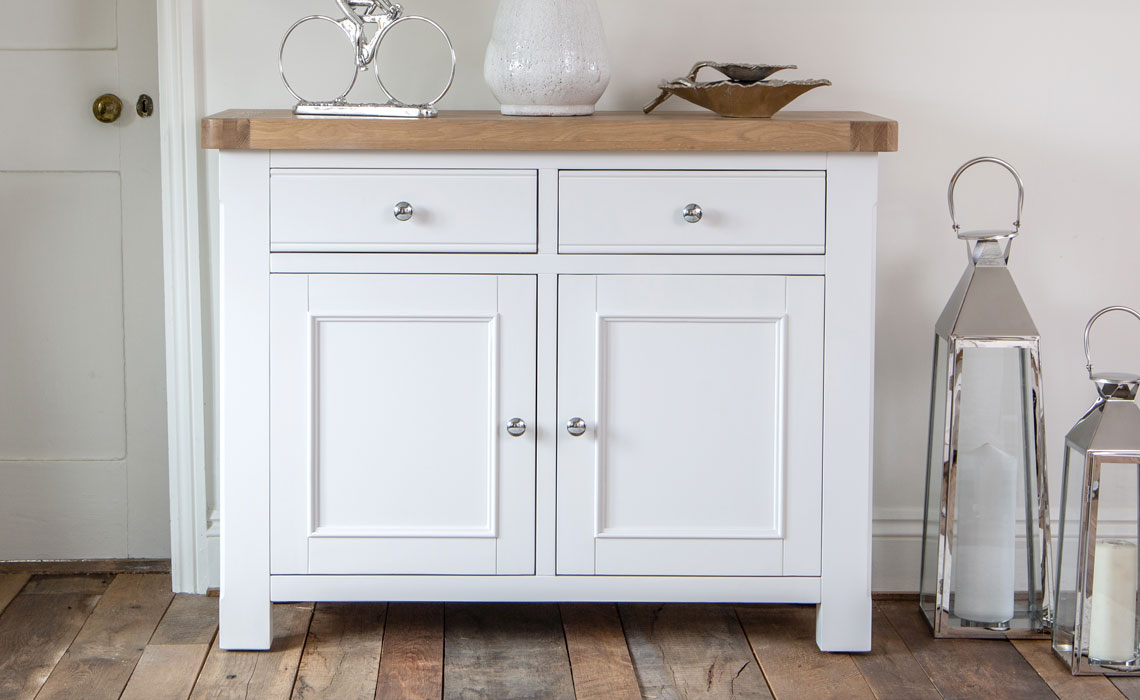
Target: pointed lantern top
(1113, 423)
(986, 304)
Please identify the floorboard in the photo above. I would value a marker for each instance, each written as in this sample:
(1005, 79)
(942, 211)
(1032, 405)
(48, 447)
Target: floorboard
(342, 653)
(783, 639)
(190, 619)
(100, 660)
(966, 669)
(35, 631)
(599, 655)
(1040, 655)
(691, 651)
(10, 585)
(1129, 687)
(88, 566)
(890, 669)
(495, 651)
(68, 583)
(171, 662)
(258, 675)
(411, 661)
(166, 672)
(126, 637)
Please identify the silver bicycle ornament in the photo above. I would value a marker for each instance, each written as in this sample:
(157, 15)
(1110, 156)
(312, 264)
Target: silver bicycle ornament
(358, 15)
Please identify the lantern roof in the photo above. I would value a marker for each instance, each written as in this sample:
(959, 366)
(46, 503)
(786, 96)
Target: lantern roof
(1109, 426)
(987, 306)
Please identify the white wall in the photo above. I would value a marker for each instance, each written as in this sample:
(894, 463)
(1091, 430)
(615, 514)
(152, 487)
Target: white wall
(1049, 86)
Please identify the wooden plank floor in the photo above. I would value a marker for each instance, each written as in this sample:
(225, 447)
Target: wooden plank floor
(111, 636)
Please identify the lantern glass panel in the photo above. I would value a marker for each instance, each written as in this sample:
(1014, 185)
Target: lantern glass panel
(936, 451)
(1068, 548)
(1109, 613)
(995, 572)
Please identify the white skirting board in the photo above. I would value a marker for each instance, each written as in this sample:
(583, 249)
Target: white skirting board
(895, 562)
(897, 545)
(213, 552)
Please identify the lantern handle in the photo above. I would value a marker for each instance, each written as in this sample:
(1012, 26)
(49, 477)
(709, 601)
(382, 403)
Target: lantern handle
(983, 235)
(1088, 331)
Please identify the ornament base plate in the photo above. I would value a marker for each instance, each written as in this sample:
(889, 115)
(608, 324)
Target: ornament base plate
(369, 110)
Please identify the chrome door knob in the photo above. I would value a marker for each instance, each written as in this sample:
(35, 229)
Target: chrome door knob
(576, 426)
(516, 427)
(403, 211)
(692, 213)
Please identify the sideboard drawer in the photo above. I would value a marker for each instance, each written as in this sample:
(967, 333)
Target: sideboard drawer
(642, 211)
(453, 211)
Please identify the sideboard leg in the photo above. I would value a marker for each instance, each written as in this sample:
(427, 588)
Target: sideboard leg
(244, 608)
(844, 618)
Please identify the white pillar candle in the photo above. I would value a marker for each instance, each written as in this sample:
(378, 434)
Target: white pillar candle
(1112, 624)
(982, 564)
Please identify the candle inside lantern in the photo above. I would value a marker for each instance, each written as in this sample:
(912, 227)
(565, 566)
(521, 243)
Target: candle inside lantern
(983, 563)
(1112, 627)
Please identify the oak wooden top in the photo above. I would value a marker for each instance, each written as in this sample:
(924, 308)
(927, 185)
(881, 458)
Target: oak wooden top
(604, 131)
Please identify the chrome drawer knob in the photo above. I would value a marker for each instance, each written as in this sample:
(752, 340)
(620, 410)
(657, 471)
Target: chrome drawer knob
(516, 427)
(403, 211)
(576, 426)
(692, 213)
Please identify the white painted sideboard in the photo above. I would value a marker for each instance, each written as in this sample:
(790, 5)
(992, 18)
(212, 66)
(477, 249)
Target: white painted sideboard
(547, 384)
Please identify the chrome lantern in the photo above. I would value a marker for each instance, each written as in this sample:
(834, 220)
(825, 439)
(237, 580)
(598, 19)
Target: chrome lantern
(1095, 630)
(985, 547)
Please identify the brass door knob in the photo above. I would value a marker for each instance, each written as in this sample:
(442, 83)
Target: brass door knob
(107, 108)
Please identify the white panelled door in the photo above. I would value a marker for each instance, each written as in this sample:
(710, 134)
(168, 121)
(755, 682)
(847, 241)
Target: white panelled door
(390, 399)
(700, 454)
(82, 403)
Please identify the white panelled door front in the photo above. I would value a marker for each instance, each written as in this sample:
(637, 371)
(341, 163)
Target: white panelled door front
(389, 449)
(700, 454)
(83, 464)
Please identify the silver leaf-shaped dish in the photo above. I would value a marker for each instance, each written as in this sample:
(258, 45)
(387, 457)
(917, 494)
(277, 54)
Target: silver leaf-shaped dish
(737, 72)
(730, 98)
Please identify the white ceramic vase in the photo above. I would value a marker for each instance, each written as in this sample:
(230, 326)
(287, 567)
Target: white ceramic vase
(547, 57)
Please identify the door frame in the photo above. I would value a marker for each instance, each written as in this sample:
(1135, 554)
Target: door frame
(178, 114)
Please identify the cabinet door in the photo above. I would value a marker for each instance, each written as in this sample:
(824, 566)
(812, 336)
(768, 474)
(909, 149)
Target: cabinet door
(702, 398)
(390, 400)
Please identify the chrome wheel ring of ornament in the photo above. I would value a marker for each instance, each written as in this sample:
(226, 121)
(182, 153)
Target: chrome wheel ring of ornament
(281, 58)
(376, 62)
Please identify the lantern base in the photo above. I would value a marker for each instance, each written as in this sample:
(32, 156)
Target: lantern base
(1090, 666)
(1132, 664)
(1028, 622)
(1002, 626)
